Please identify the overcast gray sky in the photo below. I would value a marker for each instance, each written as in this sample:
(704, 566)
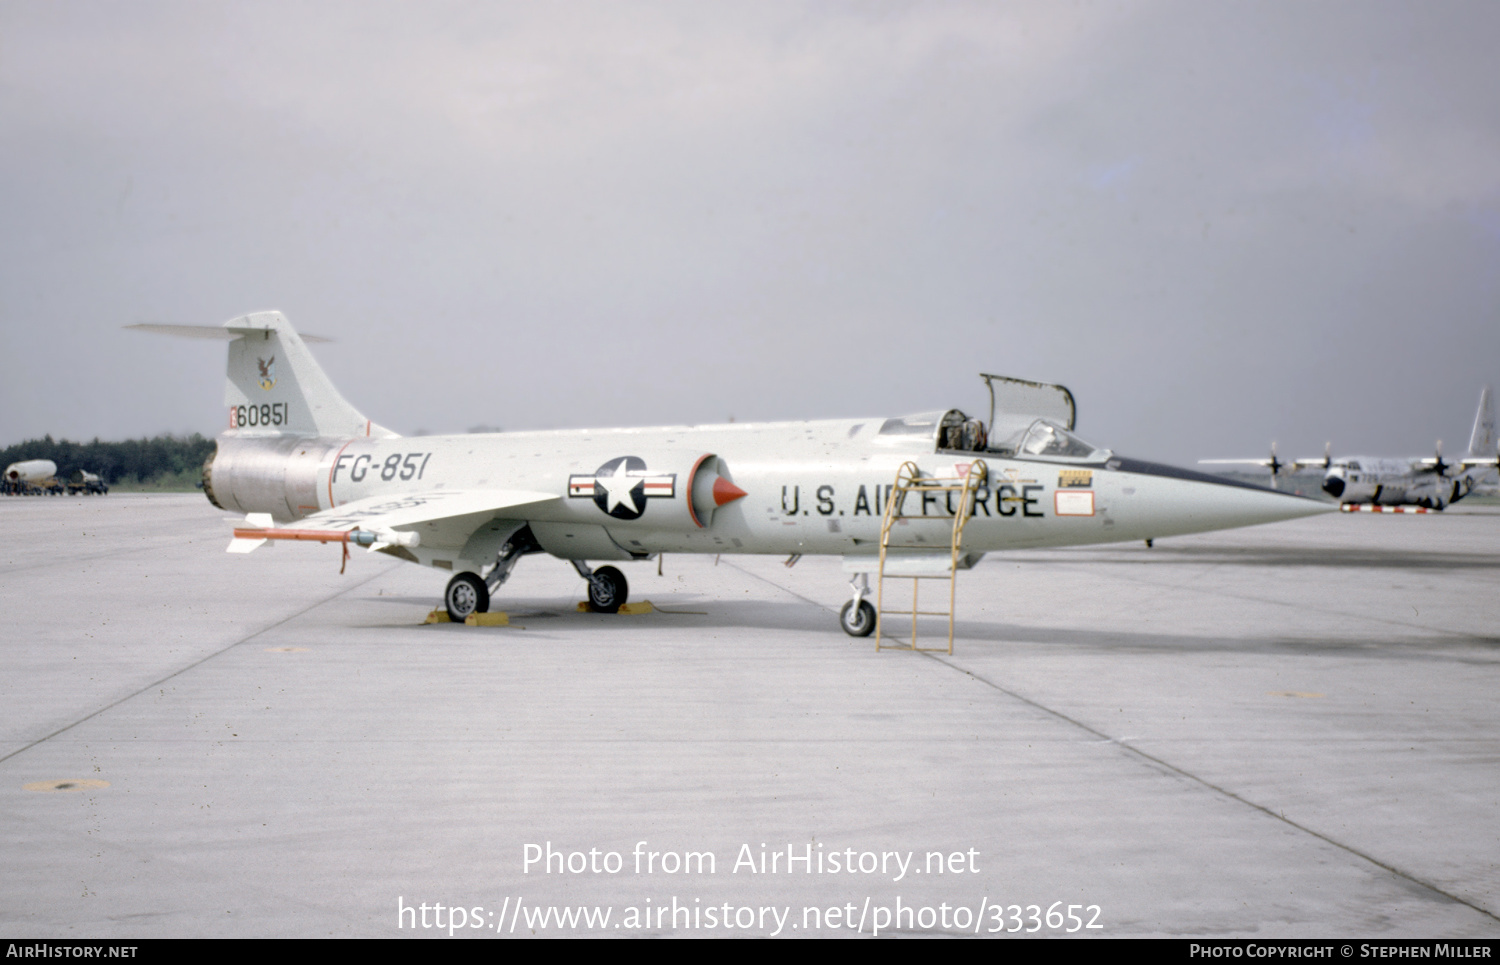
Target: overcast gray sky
(1218, 223)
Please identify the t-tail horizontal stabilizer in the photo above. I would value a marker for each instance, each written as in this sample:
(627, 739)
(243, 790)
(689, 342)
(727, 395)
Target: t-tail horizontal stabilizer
(274, 385)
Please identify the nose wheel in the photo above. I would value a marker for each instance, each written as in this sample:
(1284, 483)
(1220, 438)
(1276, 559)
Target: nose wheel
(858, 617)
(857, 621)
(466, 594)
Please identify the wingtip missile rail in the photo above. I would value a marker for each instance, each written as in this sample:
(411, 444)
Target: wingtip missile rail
(261, 529)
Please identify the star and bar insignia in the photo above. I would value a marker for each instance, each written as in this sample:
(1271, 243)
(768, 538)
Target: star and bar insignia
(621, 486)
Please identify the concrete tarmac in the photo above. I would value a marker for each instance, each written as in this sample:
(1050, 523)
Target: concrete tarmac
(1280, 732)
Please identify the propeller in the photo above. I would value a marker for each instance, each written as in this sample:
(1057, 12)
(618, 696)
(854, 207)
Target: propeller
(1275, 465)
(1438, 464)
(1323, 463)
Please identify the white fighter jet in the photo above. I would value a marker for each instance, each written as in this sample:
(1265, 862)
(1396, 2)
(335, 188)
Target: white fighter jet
(304, 464)
(1430, 482)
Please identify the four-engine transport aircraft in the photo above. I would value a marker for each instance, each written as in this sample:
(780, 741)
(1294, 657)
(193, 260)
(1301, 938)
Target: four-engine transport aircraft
(1430, 482)
(473, 505)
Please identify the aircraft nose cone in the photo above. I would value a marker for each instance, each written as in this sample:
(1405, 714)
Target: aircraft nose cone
(1334, 486)
(1172, 501)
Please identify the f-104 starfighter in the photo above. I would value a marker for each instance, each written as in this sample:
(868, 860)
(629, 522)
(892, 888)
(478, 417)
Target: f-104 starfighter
(303, 464)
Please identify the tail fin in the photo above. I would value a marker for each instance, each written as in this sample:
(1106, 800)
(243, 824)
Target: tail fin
(1482, 442)
(274, 384)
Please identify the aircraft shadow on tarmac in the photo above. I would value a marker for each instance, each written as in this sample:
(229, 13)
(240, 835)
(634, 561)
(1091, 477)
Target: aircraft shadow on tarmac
(797, 615)
(696, 611)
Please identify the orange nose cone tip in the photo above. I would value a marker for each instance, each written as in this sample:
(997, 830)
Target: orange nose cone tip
(726, 491)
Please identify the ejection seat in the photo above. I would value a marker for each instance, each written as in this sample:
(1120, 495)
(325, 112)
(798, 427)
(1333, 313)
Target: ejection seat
(959, 433)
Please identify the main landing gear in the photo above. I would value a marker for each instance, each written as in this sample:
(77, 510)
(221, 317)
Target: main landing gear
(466, 594)
(608, 590)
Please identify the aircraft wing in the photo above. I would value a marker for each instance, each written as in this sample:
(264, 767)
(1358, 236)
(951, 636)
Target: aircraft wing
(437, 518)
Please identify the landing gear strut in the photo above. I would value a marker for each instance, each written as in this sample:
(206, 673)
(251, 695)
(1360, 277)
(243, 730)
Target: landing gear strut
(510, 554)
(469, 593)
(608, 590)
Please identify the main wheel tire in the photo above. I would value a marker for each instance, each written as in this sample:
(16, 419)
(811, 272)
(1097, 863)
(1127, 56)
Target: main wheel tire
(466, 594)
(608, 590)
(857, 623)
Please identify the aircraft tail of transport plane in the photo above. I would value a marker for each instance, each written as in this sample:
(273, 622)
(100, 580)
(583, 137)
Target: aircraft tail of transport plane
(1483, 441)
(303, 464)
(1430, 482)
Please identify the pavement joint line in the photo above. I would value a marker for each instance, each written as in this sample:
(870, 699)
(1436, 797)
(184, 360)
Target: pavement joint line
(1440, 631)
(196, 663)
(1131, 749)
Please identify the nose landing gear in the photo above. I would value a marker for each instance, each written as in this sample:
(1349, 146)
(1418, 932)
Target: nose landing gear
(858, 617)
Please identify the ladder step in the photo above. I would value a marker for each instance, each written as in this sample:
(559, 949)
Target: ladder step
(944, 548)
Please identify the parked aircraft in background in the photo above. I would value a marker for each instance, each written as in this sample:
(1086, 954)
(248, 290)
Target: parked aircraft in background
(31, 477)
(471, 506)
(1431, 482)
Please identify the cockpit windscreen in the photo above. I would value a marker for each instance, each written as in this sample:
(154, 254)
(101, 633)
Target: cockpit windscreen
(1043, 438)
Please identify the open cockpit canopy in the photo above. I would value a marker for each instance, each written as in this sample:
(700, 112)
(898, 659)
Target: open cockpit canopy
(1016, 403)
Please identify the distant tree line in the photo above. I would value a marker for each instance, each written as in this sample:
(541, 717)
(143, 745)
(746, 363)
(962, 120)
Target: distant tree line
(141, 459)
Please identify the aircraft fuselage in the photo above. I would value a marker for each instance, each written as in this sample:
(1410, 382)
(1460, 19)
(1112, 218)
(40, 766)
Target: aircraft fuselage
(810, 487)
(473, 505)
(1394, 482)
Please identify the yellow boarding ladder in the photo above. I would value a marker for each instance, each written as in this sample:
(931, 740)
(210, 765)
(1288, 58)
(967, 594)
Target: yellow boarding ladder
(894, 530)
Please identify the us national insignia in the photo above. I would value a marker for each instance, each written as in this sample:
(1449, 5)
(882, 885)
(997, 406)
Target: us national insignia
(1074, 478)
(621, 486)
(267, 372)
